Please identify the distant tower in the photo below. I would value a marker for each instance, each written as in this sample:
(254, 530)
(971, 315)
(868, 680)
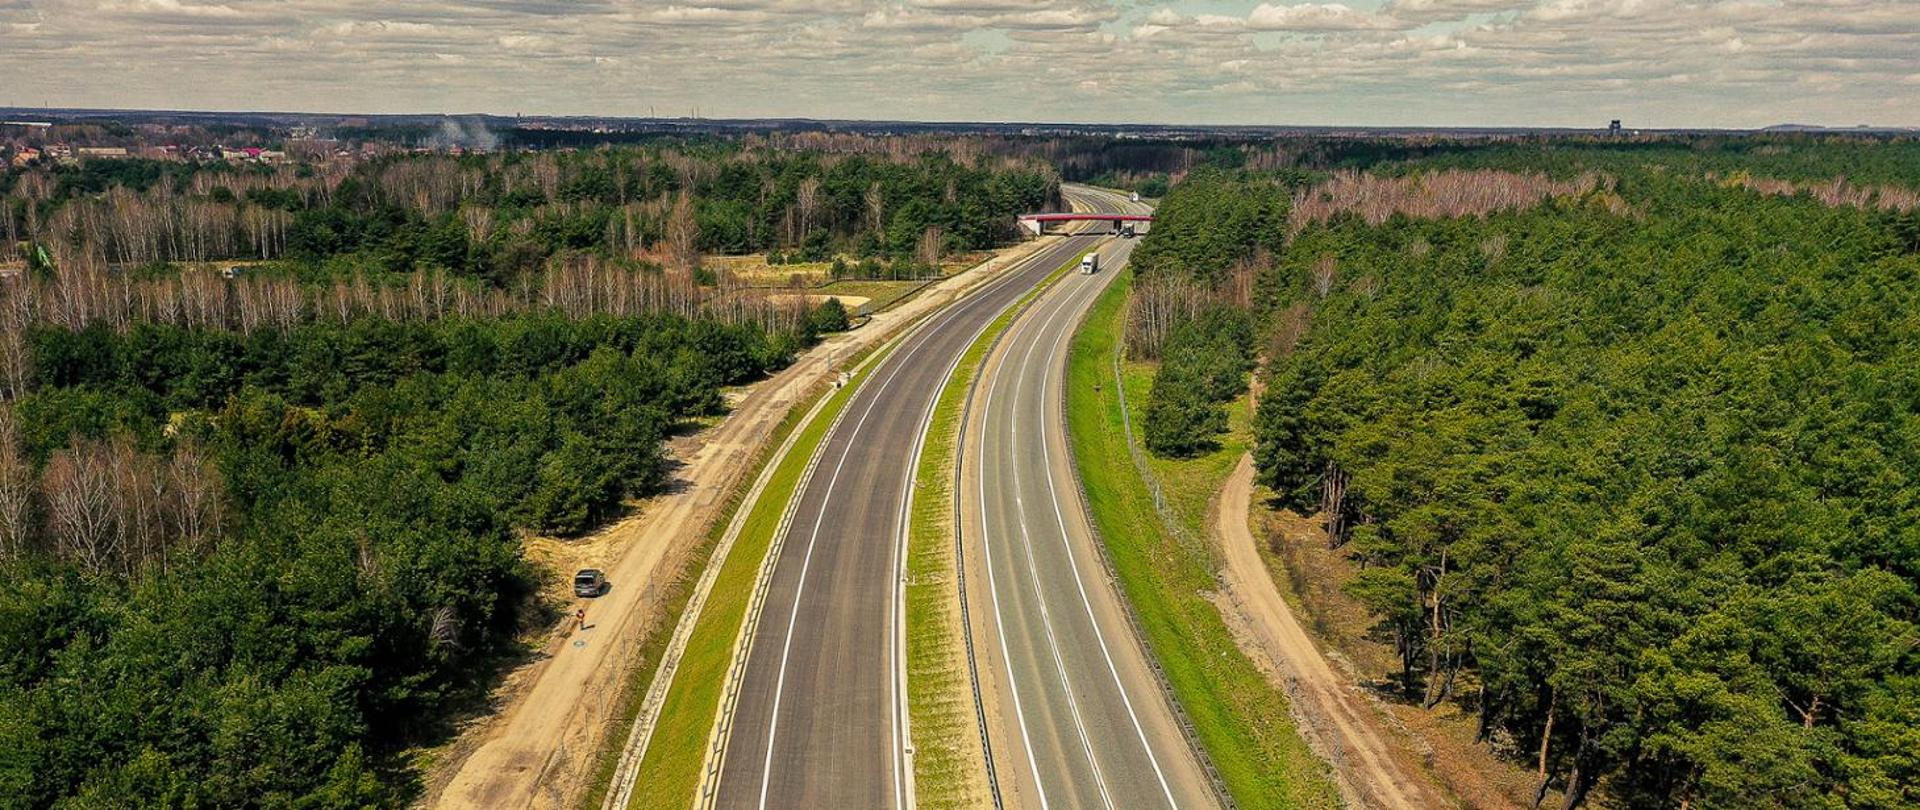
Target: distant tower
(1613, 129)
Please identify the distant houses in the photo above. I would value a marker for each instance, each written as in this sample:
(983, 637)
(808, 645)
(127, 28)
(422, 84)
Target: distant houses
(21, 155)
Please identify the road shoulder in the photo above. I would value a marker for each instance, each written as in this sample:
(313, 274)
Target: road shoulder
(1163, 563)
(558, 716)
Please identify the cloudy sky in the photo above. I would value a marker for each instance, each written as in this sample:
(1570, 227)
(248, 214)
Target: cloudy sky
(1364, 62)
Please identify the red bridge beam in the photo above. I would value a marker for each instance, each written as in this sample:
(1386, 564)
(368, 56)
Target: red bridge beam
(1087, 217)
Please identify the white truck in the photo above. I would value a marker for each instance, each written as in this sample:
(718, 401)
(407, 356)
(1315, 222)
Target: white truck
(1090, 264)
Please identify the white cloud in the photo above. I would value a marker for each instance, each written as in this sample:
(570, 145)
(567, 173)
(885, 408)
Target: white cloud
(157, 9)
(1430, 10)
(1651, 62)
(1318, 17)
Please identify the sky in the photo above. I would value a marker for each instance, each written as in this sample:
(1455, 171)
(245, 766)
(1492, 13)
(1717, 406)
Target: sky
(1651, 63)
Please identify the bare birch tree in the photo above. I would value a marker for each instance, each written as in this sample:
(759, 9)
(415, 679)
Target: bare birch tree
(77, 489)
(683, 235)
(16, 491)
(196, 495)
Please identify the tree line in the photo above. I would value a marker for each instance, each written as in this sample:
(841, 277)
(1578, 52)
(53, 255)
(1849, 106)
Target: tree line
(1194, 278)
(248, 568)
(1629, 479)
(1618, 431)
(496, 217)
(259, 534)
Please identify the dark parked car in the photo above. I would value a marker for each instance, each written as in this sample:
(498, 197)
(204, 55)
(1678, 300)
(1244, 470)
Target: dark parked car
(589, 583)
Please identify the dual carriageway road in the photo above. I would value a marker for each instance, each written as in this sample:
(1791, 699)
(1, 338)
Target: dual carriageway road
(1080, 720)
(820, 719)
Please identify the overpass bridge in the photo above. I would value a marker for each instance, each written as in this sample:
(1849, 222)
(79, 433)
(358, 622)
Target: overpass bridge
(1037, 223)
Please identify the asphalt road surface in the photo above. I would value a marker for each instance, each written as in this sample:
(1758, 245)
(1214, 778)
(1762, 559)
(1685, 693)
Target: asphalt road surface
(821, 717)
(1078, 720)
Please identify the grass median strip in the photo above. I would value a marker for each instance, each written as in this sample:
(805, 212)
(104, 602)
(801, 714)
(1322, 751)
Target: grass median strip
(1237, 715)
(670, 773)
(949, 762)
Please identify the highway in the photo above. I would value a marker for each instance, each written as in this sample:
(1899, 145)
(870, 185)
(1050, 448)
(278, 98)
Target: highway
(1077, 719)
(821, 717)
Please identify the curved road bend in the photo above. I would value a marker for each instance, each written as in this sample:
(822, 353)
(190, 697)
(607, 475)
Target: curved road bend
(1079, 720)
(820, 717)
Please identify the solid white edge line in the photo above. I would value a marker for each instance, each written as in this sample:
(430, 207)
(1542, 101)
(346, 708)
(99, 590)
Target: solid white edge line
(1046, 451)
(1033, 576)
(919, 336)
(999, 623)
(806, 563)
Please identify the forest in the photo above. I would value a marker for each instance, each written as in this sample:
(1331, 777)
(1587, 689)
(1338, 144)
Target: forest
(243, 569)
(1622, 436)
(497, 217)
(1621, 432)
(261, 533)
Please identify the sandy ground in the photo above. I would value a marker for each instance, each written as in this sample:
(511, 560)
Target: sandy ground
(1337, 718)
(853, 303)
(1484, 774)
(551, 719)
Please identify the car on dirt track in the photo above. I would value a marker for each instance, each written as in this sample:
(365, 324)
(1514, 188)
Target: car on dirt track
(589, 583)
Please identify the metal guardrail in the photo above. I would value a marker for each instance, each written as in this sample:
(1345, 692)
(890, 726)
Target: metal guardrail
(635, 750)
(756, 604)
(1126, 605)
(960, 555)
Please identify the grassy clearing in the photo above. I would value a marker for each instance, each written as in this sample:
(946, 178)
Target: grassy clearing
(669, 775)
(948, 765)
(753, 269)
(1239, 717)
(882, 295)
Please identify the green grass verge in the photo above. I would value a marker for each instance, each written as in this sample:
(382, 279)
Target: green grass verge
(634, 692)
(669, 775)
(949, 765)
(1239, 717)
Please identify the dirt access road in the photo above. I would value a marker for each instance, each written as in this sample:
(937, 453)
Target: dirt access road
(1339, 721)
(552, 717)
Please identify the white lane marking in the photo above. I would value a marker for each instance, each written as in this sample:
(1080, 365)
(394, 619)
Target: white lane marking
(993, 596)
(1000, 624)
(780, 683)
(1046, 621)
(897, 686)
(1046, 615)
(1046, 451)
